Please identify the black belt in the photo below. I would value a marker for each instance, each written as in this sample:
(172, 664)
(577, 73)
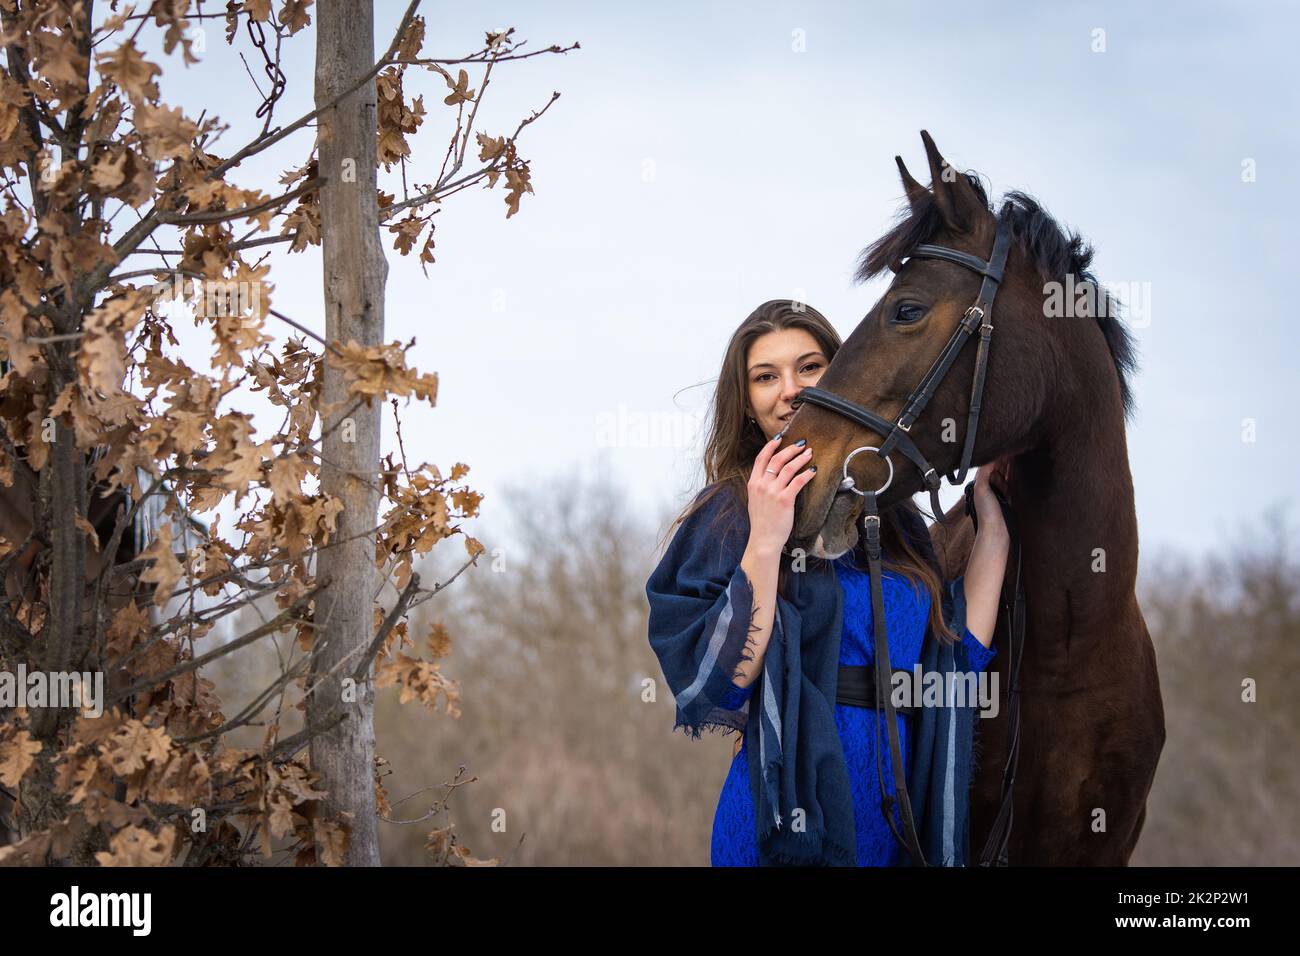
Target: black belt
(857, 687)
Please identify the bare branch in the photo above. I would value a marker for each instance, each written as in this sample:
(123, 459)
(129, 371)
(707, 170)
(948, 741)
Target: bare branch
(386, 628)
(222, 215)
(487, 58)
(282, 620)
(441, 190)
(233, 247)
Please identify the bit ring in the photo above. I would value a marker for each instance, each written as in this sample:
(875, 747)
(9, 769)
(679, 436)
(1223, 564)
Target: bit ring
(849, 485)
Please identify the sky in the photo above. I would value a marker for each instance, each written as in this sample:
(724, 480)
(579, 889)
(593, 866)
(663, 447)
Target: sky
(706, 157)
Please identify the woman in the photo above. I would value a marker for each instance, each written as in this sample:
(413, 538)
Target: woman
(727, 606)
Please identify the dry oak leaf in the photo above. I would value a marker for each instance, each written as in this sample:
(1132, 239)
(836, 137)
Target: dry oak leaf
(56, 57)
(517, 180)
(440, 845)
(103, 354)
(165, 570)
(244, 467)
(303, 223)
(381, 370)
(294, 15)
(419, 680)
(157, 657)
(115, 813)
(23, 356)
(460, 91)
(128, 68)
(287, 475)
(466, 501)
(58, 840)
(280, 818)
(467, 860)
(295, 781)
(129, 625)
(439, 640)
(91, 731)
(412, 40)
(490, 147)
(109, 171)
(84, 777)
(259, 11)
(136, 846)
(185, 780)
(407, 232)
(165, 133)
(17, 754)
(438, 841)
(136, 744)
(187, 429)
(333, 841)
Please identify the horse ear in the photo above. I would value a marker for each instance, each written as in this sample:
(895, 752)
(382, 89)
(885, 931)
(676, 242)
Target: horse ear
(915, 191)
(957, 202)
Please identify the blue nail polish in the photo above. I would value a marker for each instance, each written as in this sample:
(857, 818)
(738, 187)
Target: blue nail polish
(801, 441)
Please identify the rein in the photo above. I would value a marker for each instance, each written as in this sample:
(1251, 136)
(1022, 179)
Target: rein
(896, 437)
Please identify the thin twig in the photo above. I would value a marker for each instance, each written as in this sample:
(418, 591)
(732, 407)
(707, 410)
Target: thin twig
(482, 58)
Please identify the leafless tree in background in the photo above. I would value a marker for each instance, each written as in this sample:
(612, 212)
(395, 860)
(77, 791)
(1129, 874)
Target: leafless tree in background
(572, 767)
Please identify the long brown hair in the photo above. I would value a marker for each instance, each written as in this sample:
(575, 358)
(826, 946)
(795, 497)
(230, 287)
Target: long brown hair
(733, 440)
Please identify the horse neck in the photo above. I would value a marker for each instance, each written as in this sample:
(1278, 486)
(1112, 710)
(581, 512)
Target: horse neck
(1073, 494)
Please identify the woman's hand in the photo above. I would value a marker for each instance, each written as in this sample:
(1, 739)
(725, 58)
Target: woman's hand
(773, 485)
(987, 562)
(988, 556)
(996, 474)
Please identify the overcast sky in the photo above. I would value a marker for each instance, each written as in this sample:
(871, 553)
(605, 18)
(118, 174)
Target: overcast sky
(705, 157)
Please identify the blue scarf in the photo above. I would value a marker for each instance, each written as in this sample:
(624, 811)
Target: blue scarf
(700, 609)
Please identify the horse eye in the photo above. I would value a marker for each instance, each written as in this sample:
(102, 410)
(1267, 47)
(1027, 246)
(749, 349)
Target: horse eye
(908, 313)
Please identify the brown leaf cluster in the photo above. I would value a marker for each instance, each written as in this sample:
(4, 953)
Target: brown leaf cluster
(379, 371)
(397, 118)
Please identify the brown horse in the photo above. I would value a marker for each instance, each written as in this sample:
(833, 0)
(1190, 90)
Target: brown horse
(1055, 399)
(19, 502)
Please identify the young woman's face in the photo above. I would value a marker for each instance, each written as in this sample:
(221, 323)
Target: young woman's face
(779, 364)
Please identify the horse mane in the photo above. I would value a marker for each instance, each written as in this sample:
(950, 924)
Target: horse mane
(1053, 252)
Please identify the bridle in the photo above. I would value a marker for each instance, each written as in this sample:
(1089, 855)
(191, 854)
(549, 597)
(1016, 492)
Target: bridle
(978, 316)
(896, 436)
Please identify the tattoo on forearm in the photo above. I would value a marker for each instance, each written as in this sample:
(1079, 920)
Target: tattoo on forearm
(750, 650)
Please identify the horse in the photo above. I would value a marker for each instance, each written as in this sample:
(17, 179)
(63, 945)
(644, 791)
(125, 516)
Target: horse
(1056, 397)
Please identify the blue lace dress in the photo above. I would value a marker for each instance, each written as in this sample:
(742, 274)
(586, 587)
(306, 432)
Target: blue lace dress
(907, 607)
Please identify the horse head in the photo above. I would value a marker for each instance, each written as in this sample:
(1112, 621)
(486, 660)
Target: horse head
(1034, 368)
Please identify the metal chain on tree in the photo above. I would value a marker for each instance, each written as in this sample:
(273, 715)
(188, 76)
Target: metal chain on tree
(272, 68)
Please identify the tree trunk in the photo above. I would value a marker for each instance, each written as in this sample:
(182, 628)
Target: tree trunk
(354, 274)
(63, 498)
